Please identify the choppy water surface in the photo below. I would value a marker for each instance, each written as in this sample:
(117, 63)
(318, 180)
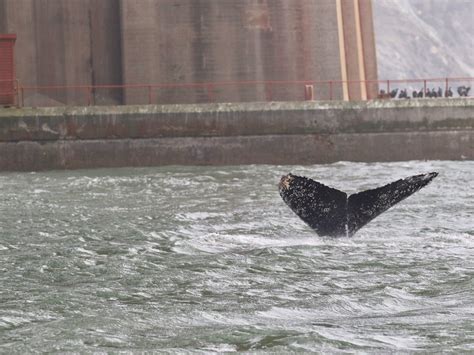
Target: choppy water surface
(211, 259)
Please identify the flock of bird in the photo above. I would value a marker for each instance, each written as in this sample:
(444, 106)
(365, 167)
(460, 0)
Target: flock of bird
(463, 91)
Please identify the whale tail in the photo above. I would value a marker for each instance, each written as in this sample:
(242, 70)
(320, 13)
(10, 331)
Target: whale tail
(331, 213)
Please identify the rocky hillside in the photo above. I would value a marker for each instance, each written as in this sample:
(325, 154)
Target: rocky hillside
(424, 38)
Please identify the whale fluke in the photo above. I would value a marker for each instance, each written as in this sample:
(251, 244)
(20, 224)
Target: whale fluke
(331, 213)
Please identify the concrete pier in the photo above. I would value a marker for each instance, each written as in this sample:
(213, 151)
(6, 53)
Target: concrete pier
(242, 133)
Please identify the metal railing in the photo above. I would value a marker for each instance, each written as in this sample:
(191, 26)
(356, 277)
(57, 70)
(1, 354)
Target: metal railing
(238, 91)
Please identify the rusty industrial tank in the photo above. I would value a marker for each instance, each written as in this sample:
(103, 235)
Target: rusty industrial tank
(189, 51)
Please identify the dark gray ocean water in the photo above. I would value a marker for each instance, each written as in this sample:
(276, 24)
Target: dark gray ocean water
(177, 259)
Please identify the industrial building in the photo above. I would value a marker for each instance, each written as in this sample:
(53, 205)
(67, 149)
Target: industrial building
(190, 51)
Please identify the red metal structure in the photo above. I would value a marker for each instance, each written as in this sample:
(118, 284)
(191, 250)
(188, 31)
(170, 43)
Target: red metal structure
(213, 91)
(7, 70)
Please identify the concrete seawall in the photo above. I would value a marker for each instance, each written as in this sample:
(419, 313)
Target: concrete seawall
(226, 134)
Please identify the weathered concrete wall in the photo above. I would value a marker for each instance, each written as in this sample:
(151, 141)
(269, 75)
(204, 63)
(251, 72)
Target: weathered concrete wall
(65, 43)
(110, 42)
(272, 133)
(186, 41)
